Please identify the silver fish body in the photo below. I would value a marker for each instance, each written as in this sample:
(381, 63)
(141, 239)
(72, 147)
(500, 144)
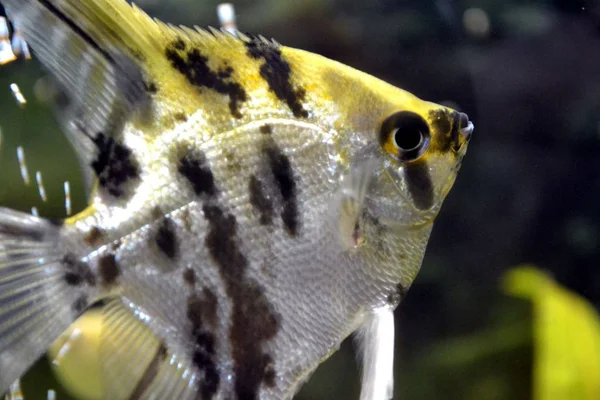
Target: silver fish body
(275, 297)
(254, 206)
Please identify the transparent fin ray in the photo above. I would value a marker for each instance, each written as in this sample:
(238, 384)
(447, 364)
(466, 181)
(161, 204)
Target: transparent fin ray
(138, 364)
(35, 302)
(376, 343)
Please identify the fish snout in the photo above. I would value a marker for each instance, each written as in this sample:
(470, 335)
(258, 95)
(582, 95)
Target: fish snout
(465, 127)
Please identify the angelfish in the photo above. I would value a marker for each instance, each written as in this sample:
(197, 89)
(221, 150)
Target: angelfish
(251, 205)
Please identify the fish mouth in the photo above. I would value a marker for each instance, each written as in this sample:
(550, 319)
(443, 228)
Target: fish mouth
(462, 130)
(467, 131)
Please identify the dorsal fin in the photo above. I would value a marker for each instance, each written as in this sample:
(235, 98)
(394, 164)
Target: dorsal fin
(110, 59)
(88, 47)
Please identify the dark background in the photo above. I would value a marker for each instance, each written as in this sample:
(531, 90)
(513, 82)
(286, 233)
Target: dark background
(528, 75)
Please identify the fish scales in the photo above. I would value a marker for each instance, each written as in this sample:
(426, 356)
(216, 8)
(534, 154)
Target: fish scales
(252, 206)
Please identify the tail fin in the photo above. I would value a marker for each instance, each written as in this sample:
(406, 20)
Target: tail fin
(36, 302)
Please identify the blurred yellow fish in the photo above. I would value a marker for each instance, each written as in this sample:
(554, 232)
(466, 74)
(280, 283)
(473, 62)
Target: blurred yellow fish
(253, 205)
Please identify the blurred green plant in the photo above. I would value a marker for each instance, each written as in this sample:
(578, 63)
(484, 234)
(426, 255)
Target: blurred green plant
(566, 333)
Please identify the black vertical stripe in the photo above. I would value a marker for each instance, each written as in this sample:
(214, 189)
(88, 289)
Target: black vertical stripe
(254, 322)
(260, 201)
(277, 72)
(108, 269)
(420, 186)
(166, 238)
(202, 313)
(195, 168)
(281, 168)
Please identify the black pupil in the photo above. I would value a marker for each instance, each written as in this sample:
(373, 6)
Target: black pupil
(409, 131)
(408, 137)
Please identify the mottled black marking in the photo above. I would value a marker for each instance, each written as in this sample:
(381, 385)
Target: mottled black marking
(222, 245)
(115, 164)
(108, 269)
(397, 294)
(401, 290)
(94, 236)
(445, 125)
(210, 303)
(73, 279)
(150, 373)
(180, 116)
(260, 201)
(281, 168)
(266, 129)
(166, 239)
(151, 87)
(254, 322)
(80, 305)
(194, 66)
(179, 44)
(419, 184)
(189, 277)
(194, 167)
(77, 271)
(225, 72)
(156, 212)
(453, 137)
(200, 311)
(56, 222)
(203, 308)
(270, 374)
(356, 232)
(440, 120)
(379, 232)
(277, 72)
(289, 216)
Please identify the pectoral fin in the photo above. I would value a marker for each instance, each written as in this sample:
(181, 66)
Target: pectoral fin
(130, 361)
(350, 202)
(136, 363)
(376, 340)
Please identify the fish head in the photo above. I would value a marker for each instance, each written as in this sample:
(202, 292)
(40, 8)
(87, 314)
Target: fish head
(416, 148)
(420, 151)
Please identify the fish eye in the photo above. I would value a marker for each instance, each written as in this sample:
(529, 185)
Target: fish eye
(405, 135)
